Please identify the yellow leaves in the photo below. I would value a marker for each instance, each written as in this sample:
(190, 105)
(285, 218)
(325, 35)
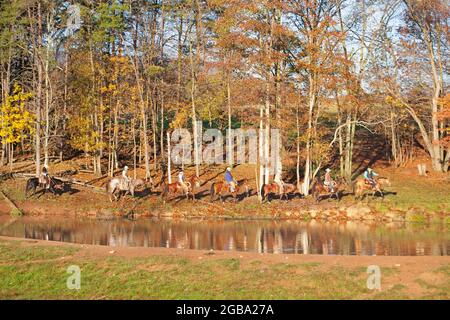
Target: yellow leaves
(181, 117)
(16, 121)
(394, 102)
(83, 136)
(111, 88)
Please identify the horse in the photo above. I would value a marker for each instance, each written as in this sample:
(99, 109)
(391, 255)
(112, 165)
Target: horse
(362, 185)
(177, 187)
(118, 184)
(218, 188)
(270, 188)
(56, 187)
(319, 190)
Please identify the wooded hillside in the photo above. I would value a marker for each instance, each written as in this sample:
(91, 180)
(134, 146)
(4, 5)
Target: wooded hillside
(110, 79)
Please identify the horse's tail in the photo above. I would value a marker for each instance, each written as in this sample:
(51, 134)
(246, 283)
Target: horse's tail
(212, 190)
(29, 186)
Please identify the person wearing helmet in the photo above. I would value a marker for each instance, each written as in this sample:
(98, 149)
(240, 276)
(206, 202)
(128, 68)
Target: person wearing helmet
(369, 176)
(230, 180)
(328, 180)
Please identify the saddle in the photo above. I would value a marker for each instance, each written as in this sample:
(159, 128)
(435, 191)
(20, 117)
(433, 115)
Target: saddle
(330, 186)
(124, 184)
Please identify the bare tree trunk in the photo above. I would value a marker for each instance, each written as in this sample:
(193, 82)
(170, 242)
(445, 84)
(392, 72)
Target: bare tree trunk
(308, 160)
(47, 94)
(298, 142)
(194, 116)
(36, 54)
(162, 123)
(230, 136)
(169, 160)
(154, 128)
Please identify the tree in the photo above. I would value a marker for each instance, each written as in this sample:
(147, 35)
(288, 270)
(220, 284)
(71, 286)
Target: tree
(17, 122)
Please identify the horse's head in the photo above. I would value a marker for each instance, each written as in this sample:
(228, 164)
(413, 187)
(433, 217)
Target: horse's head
(384, 181)
(139, 182)
(342, 183)
(196, 182)
(244, 184)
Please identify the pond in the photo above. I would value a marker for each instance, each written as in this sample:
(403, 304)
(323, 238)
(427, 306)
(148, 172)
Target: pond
(262, 236)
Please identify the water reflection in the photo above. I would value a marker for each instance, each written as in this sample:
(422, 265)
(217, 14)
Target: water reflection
(255, 236)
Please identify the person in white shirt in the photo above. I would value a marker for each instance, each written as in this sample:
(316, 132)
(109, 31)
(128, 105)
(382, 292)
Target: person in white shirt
(181, 180)
(126, 179)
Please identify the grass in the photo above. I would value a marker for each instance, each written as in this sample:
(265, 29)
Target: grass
(418, 193)
(40, 272)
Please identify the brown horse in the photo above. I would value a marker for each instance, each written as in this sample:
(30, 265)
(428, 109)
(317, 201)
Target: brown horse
(319, 190)
(271, 188)
(177, 188)
(219, 188)
(362, 185)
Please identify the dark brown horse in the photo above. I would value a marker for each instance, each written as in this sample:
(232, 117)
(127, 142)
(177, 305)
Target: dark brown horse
(319, 190)
(273, 188)
(219, 188)
(177, 188)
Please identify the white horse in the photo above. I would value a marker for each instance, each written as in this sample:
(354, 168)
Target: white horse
(119, 184)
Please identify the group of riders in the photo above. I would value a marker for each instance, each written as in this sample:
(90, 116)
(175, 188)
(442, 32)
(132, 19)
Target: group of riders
(328, 182)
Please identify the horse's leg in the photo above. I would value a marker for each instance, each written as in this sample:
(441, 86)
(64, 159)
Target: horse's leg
(28, 189)
(41, 193)
(116, 198)
(317, 197)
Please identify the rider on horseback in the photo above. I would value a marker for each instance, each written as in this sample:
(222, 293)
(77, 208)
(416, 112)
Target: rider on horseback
(125, 178)
(230, 180)
(181, 180)
(279, 182)
(44, 178)
(328, 181)
(369, 176)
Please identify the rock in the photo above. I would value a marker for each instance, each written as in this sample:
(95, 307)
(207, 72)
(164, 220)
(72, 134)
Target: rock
(313, 214)
(413, 215)
(356, 212)
(394, 216)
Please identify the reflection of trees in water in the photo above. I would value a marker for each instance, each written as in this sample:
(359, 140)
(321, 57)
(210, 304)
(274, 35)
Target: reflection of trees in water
(259, 236)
